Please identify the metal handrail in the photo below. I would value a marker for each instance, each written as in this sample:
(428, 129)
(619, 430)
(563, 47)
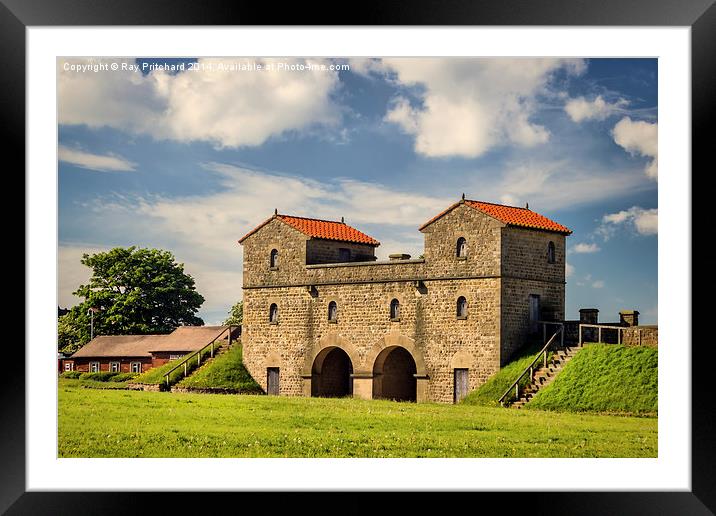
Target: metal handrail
(530, 368)
(544, 329)
(198, 355)
(600, 327)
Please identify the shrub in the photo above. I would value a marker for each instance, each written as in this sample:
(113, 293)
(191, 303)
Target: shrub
(103, 376)
(74, 375)
(123, 377)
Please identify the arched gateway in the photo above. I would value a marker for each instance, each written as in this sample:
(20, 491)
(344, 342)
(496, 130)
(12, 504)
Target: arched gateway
(394, 375)
(328, 367)
(331, 374)
(397, 369)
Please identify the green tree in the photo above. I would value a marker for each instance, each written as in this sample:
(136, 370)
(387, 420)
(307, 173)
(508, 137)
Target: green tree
(135, 291)
(236, 315)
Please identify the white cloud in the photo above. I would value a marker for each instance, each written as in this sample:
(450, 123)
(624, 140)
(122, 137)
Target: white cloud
(568, 270)
(585, 248)
(226, 108)
(643, 221)
(598, 284)
(639, 138)
(202, 231)
(71, 273)
(470, 105)
(402, 114)
(108, 163)
(580, 108)
(547, 186)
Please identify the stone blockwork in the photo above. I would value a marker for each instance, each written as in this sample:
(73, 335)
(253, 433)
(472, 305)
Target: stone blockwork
(626, 332)
(327, 251)
(641, 336)
(492, 279)
(516, 323)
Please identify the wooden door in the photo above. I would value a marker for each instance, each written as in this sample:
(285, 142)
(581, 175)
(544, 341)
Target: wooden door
(462, 384)
(272, 382)
(534, 312)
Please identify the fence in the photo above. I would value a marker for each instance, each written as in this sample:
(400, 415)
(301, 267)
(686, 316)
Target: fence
(627, 335)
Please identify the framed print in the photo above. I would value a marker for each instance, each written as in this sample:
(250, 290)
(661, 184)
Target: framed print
(415, 250)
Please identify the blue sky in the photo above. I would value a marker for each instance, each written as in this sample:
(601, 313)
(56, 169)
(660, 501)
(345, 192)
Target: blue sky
(190, 160)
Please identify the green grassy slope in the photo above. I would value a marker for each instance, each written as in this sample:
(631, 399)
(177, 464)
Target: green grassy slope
(604, 378)
(489, 393)
(102, 423)
(156, 376)
(226, 371)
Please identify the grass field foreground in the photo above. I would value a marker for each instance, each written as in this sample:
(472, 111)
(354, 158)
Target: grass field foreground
(103, 423)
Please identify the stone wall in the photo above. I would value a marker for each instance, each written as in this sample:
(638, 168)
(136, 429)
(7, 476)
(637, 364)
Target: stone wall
(482, 235)
(428, 290)
(649, 336)
(428, 320)
(291, 246)
(629, 334)
(516, 324)
(328, 251)
(365, 272)
(524, 254)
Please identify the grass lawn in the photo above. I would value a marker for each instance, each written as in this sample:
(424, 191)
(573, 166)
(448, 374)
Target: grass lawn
(605, 378)
(110, 423)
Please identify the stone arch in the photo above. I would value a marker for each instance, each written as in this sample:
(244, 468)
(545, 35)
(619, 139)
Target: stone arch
(397, 368)
(394, 339)
(462, 360)
(331, 375)
(329, 340)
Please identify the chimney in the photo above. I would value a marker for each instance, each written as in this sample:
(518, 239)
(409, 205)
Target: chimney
(629, 318)
(398, 256)
(589, 315)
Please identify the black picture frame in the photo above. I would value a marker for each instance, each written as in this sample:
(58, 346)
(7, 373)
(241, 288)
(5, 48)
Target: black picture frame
(700, 15)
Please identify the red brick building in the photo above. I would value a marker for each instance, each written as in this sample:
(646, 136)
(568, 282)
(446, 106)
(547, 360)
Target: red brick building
(139, 353)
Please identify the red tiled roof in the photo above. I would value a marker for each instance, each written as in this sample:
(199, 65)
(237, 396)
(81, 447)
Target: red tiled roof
(511, 215)
(324, 229)
(183, 338)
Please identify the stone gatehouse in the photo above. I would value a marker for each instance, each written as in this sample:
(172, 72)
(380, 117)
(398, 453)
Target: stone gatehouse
(323, 317)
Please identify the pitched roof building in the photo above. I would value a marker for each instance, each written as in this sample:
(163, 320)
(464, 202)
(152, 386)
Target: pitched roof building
(139, 353)
(320, 229)
(323, 317)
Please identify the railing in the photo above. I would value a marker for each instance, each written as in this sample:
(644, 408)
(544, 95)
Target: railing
(197, 354)
(551, 323)
(530, 368)
(619, 329)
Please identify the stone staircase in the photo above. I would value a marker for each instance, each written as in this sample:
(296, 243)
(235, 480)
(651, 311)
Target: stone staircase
(545, 375)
